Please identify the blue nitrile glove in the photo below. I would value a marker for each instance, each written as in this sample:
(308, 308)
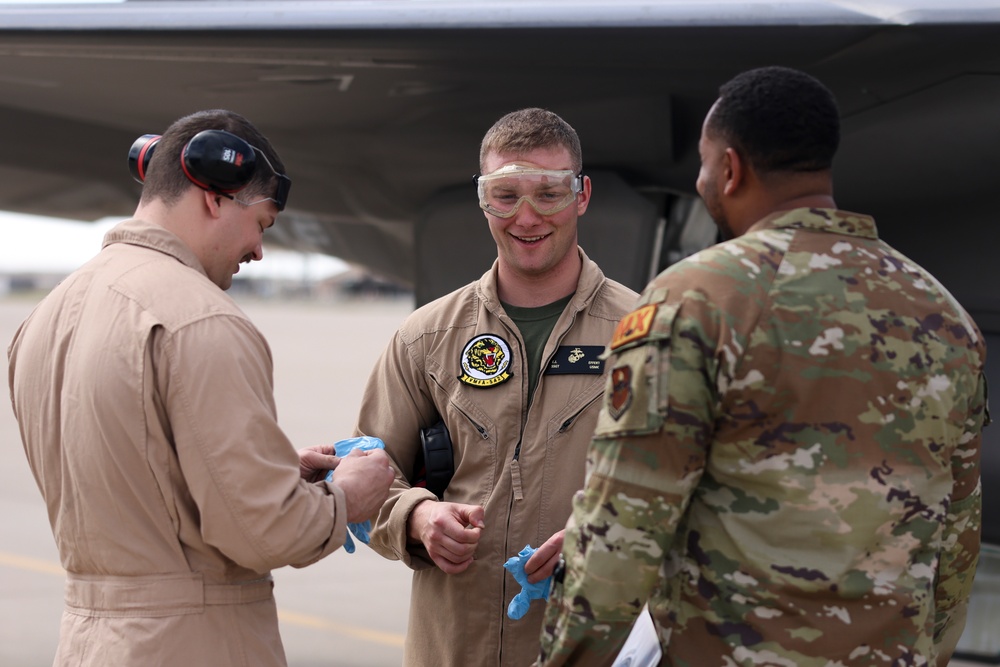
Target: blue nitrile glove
(345, 447)
(518, 607)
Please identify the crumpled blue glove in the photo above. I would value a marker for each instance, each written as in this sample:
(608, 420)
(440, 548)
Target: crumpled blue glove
(518, 607)
(345, 447)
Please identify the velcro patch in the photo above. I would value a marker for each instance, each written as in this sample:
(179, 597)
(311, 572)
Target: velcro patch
(621, 392)
(485, 361)
(634, 326)
(632, 394)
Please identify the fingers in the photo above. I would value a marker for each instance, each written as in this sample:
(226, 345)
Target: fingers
(453, 555)
(326, 461)
(380, 461)
(458, 546)
(551, 547)
(450, 532)
(365, 478)
(543, 562)
(543, 568)
(448, 562)
(313, 463)
(475, 516)
(382, 458)
(319, 449)
(451, 567)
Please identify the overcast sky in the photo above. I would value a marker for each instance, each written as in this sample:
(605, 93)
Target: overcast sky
(33, 244)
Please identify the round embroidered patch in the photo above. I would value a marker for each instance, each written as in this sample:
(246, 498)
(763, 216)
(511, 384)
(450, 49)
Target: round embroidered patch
(485, 361)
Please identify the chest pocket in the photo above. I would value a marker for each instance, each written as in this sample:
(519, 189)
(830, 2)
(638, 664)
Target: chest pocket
(638, 378)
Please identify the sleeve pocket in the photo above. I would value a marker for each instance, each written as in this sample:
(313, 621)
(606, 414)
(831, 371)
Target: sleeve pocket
(632, 391)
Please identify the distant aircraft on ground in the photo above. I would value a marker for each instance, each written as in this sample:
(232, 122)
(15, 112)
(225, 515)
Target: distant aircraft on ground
(377, 108)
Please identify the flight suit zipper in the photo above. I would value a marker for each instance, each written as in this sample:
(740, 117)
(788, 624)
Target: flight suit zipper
(484, 434)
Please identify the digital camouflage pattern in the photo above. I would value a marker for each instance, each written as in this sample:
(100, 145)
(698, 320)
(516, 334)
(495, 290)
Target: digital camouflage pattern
(787, 462)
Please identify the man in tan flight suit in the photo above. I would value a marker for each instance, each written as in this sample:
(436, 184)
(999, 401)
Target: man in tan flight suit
(145, 402)
(511, 364)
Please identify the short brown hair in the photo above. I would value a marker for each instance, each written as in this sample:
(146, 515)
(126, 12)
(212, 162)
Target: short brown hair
(165, 177)
(528, 129)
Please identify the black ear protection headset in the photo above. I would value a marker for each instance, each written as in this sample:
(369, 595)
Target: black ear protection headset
(214, 160)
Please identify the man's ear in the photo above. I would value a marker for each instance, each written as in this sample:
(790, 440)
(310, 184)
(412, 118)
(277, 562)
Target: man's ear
(583, 197)
(735, 170)
(213, 203)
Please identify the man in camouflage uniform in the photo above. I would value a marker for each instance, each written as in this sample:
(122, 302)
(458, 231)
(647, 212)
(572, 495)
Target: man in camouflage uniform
(786, 466)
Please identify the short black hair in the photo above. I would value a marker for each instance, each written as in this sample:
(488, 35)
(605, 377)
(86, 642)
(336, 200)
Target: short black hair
(780, 119)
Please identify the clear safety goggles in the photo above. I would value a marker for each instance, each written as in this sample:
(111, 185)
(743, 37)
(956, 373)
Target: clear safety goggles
(547, 191)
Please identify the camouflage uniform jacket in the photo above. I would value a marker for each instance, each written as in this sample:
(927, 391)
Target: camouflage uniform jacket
(786, 465)
(520, 462)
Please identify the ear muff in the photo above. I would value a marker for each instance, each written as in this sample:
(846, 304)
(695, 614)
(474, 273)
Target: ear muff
(213, 160)
(140, 154)
(219, 161)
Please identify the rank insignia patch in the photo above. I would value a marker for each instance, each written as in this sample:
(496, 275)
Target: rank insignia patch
(485, 361)
(621, 391)
(633, 326)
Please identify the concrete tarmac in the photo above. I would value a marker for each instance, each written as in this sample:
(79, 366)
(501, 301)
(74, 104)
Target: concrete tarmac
(348, 610)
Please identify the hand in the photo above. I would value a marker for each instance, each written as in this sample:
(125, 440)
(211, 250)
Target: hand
(365, 477)
(314, 462)
(543, 562)
(450, 532)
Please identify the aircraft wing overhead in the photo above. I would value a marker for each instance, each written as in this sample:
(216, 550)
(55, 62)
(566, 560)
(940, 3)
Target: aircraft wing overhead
(377, 108)
(448, 14)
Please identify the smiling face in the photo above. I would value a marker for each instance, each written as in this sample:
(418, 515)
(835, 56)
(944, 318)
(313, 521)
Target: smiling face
(531, 245)
(238, 238)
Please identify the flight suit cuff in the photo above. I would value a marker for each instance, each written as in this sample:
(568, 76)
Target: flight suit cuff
(414, 556)
(339, 534)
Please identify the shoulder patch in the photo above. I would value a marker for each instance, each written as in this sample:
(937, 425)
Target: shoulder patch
(620, 398)
(634, 326)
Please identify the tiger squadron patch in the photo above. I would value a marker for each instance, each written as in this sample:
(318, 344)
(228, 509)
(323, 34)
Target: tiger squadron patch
(485, 361)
